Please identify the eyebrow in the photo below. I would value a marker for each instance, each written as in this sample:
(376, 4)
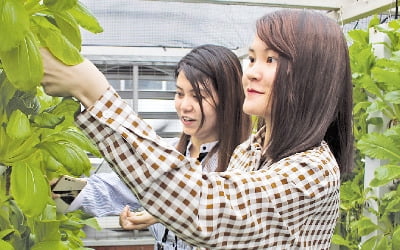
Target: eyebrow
(265, 50)
(202, 90)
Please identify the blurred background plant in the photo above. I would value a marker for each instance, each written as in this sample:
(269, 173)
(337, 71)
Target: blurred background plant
(370, 221)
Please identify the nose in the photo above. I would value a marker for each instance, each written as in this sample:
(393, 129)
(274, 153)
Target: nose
(187, 104)
(253, 72)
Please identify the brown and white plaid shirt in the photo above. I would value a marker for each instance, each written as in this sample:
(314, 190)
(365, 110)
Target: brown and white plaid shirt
(291, 204)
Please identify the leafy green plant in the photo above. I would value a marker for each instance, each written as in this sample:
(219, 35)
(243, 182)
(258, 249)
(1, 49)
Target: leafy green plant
(38, 138)
(377, 102)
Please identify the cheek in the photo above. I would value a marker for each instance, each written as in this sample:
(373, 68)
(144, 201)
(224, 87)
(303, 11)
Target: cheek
(210, 114)
(177, 104)
(244, 82)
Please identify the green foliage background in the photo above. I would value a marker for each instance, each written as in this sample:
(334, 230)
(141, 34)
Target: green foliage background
(377, 104)
(38, 138)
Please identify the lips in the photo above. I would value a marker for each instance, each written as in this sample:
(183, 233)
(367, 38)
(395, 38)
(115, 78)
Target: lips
(253, 91)
(187, 119)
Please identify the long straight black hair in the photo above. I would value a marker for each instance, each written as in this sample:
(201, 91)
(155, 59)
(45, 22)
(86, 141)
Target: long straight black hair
(312, 93)
(218, 68)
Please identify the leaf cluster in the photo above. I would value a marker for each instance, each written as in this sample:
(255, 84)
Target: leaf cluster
(376, 129)
(38, 138)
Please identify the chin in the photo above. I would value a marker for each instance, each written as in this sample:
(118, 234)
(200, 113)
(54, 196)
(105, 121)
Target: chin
(250, 110)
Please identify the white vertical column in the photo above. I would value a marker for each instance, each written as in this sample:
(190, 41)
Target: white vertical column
(135, 88)
(378, 40)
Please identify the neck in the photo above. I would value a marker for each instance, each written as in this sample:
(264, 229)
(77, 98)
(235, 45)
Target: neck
(196, 144)
(267, 132)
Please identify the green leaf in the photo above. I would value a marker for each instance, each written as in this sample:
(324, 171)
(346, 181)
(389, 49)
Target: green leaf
(29, 187)
(380, 147)
(374, 21)
(67, 108)
(47, 120)
(76, 137)
(386, 76)
(69, 28)
(47, 230)
(339, 240)
(24, 58)
(5, 233)
(383, 244)
(395, 56)
(370, 244)
(27, 102)
(13, 150)
(51, 164)
(377, 105)
(92, 222)
(52, 38)
(362, 59)
(385, 174)
(17, 218)
(361, 107)
(85, 18)
(18, 126)
(14, 23)
(349, 192)
(71, 156)
(360, 36)
(393, 97)
(377, 121)
(5, 245)
(393, 206)
(365, 226)
(57, 5)
(7, 91)
(396, 238)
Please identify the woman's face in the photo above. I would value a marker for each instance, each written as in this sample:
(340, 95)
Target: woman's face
(258, 79)
(188, 108)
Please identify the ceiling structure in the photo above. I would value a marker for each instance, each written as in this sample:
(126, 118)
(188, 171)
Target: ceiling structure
(162, 31)
(342, 10)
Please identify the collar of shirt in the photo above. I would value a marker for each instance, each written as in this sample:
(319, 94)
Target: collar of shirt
(204, 148)
(257, 140)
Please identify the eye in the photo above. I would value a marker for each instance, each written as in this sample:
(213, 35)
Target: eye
(198, 97)
(251, 59)
(271, 59)
(179, 94)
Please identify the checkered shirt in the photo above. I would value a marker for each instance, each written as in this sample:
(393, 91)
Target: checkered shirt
(290, 204)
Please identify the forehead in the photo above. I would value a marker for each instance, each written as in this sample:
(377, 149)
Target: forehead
(183, 83)
(258, 44)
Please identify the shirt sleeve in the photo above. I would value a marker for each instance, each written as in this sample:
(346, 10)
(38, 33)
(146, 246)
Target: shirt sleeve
(104, 194)
(249, 206)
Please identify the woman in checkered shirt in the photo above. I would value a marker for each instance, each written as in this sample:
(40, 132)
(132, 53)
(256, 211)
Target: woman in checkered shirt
(208, 88)
(281, 187)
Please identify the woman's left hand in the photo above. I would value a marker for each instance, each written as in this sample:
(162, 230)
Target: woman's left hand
(135, 220)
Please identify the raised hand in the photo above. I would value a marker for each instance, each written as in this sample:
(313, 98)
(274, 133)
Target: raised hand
(83, 81)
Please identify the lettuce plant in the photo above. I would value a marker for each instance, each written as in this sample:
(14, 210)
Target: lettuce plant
(38, 138)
